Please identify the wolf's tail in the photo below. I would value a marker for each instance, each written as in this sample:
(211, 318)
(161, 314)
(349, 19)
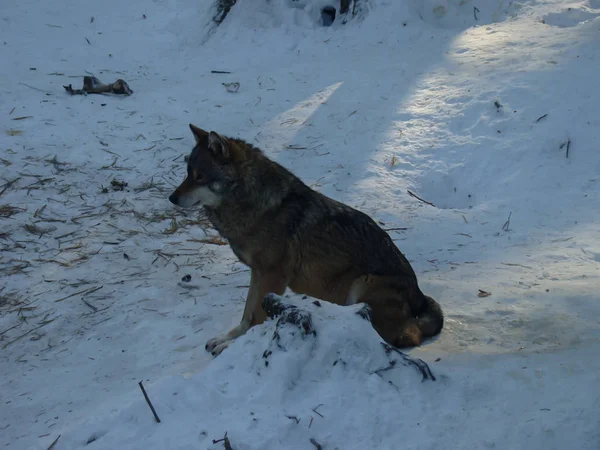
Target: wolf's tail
(431, 319)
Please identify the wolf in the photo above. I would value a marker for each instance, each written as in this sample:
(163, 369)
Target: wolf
(291, 236)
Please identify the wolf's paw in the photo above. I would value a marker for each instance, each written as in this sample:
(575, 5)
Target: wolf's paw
(216, 345)
(219, 348)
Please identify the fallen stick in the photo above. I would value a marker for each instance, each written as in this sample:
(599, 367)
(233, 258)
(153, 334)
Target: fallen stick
(294, 418)
(43, 324)
(417, 363)
(84, 292)
(317, 412)
(54, 443)
(316, 444)
(8, 329)
(420, 199)
(225, 441)
(149, 402)
(89, 305)
(506, 225)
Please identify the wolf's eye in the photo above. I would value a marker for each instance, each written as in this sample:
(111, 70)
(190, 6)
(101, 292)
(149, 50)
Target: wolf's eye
(198, 176)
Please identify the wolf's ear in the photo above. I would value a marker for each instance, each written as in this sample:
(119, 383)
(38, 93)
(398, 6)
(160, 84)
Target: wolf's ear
(199, 134)
(218, 145)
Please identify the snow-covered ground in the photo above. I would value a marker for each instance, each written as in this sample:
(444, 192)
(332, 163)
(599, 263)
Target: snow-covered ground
(470, 105)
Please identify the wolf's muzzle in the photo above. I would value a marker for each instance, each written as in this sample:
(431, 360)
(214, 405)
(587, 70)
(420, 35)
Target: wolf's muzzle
(174, 198)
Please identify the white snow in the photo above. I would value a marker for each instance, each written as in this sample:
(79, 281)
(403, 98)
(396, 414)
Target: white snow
(400, 98)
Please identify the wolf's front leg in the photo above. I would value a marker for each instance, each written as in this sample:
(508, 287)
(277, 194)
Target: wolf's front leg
(261, 283)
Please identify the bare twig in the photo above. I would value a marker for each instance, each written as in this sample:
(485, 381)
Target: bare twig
(54, 442)
(516, 265)
(541, 117)
(316, 444)
(44, 323)
(8, 210)
(8, 184)
(149, 402)
(213, 240)
(92, 307)
(420, 199)
(317, 412)
(84, 292)
(8, 329)
(568, 145)
(418, 363)
(506, 225)
(225, 441)
(33, 87)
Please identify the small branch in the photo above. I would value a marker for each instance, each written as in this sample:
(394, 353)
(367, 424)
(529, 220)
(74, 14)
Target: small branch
(8, 329)
(517, 265)
(420, 199)
(225, 441)
(418, 363)
(541, 117)
(54, 442)
(568, 144)
(33, 87)
(8, 184)
(293, 418)
(316, 444)
(84, 292)
(89, 305)
(219, 71)
(475, 11)
(506, 225)
(149, 402)
(43, 324)
(317, 412)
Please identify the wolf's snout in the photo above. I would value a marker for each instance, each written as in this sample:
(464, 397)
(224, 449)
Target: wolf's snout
(174, 198)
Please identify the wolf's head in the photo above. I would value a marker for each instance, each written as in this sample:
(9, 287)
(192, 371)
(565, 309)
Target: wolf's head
(212, 170)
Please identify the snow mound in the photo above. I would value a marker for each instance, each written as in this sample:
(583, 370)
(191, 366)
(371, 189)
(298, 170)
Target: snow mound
(285, 374)
(319, 373)
(572, 16)
(308, 14)
(460, 14)
(311, 14)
